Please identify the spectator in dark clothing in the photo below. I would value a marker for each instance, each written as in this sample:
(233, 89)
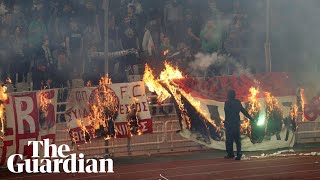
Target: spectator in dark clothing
(40, 76)
(74, 44)
(45, 53)
(63, 72)
(173, 18)
(232, 108)
(62, 23)
(129, 40)
(94, 68)
(151, 40)
(192, 32)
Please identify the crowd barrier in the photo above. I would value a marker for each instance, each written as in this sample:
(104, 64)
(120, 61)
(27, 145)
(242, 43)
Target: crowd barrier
(164, 138)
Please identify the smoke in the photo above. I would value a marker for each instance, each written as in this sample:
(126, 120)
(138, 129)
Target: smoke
(3, 9)
(226, 65)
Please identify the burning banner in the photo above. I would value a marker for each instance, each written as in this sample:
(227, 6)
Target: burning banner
(26, 116)
(109, 110)
(201, 112)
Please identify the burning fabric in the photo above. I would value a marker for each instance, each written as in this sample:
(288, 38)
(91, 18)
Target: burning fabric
(103, 110)
(107, 111)
(3, 98)
(189, 110)
(201, 118)
(133, 119)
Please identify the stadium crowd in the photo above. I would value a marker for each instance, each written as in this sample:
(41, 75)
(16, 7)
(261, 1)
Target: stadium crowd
(48, 43)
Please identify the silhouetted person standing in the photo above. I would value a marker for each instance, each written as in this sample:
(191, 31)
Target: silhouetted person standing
(232, 108)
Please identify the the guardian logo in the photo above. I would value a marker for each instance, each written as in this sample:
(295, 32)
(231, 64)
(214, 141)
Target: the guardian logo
(51, 163)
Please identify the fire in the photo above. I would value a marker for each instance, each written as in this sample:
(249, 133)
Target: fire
(3, 95)
(254, 105)
(300, 102)
(84, 130)
(133, 119)
(89, 84)
(44, 101)
(254, 108)
(103, 109)
(165, 52)
(170, 73)
(272, 104)
(154, 85)
(166, 77)
(8, 80)
(105, 81)
(3, 98)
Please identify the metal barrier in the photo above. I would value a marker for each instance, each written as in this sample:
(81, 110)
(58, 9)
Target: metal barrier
(163, 139)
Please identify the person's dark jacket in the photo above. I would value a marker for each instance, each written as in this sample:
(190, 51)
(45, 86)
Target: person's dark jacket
(232, 108)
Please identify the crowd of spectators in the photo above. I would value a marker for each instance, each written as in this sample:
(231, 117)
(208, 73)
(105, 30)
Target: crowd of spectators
(48, 42)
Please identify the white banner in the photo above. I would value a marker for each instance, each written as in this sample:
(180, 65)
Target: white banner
(78, 109)
(285, 138)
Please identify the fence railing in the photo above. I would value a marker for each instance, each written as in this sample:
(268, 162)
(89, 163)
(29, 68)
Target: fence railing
(163, 139)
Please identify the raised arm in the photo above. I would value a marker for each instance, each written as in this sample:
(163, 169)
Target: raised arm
(245, 113)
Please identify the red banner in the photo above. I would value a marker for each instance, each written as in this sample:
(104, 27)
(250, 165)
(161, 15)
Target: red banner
(216, 88)
(25, 121)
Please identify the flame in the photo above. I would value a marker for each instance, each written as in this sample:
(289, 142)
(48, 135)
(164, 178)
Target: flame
(166, 77)
(272, 104)
(154, 85)
(254, 105)
(85, 132)
(8, 80)
(88, 84)
(44, 102)
(105, 81)
(170, 73)
(166, 52)
(301, 96)
(103, 108)
(254, 108)
(133, 119)
(274, 115)
(3, 95)
(3, 98)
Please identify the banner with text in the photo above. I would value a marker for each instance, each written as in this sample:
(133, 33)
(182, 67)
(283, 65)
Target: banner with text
(274, 131)
(29, 116)
(126, 94)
